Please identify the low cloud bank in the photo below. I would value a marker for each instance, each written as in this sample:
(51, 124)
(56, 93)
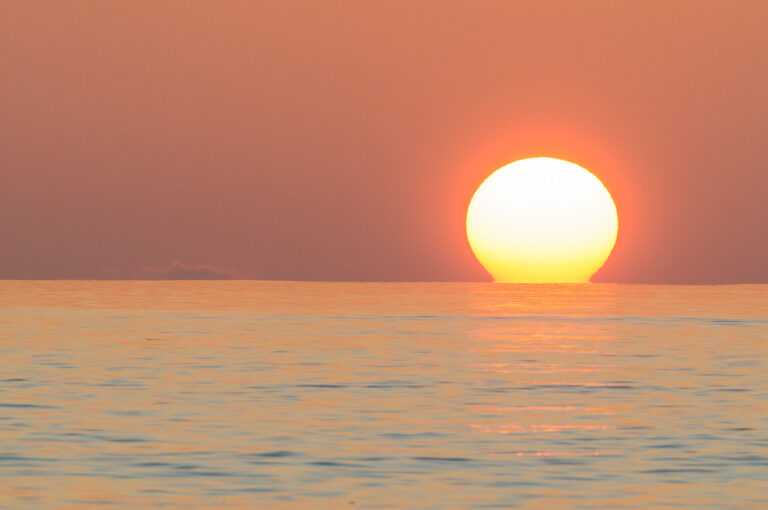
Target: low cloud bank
(181, 271)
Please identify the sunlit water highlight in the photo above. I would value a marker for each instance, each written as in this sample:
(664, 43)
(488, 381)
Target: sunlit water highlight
(320, 395)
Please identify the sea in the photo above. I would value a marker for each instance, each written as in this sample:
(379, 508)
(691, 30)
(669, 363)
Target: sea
(254, 394)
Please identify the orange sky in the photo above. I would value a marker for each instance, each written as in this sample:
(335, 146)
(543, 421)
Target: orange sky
(343, 140)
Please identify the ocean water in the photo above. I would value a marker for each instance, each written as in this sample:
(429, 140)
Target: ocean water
(372, 395)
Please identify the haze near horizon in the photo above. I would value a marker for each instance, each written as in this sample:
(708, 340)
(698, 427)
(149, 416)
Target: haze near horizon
(310, 141)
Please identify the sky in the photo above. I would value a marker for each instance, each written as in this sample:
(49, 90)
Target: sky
(343, 140)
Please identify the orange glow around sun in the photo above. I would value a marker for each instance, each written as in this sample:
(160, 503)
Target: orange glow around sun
(542, 220)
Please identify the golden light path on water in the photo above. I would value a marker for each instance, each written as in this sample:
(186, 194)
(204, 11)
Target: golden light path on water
(317, 395)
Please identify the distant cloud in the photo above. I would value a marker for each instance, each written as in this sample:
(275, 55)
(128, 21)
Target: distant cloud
(181, 271)
(109, 273)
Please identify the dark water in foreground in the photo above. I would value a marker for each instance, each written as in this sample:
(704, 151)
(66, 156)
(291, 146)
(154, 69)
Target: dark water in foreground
(316, 395)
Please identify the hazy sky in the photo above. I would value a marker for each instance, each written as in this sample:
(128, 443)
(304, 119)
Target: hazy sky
(343, 140)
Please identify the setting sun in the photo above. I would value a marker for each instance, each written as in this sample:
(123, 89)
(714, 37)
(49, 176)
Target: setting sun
(542, 220)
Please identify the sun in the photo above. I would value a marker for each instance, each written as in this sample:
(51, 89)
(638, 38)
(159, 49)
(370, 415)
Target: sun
(542, 220)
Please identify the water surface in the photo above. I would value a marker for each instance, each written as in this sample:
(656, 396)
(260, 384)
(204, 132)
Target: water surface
(334, 395)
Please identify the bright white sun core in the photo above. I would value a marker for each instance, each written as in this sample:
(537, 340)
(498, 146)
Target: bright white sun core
(542, 220)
